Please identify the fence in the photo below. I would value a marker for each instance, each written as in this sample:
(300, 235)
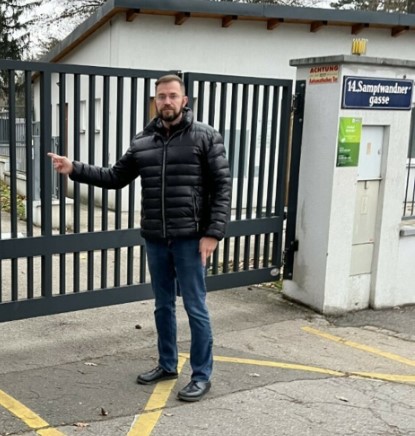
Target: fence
(409, 200)
(20, 134)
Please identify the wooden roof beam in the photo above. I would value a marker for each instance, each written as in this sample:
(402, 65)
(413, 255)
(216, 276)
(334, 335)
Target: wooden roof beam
(228, 19)
(358, 27)
(317, 25)
(181, 17)
(131, 14)
(398, 30)
(274, 22)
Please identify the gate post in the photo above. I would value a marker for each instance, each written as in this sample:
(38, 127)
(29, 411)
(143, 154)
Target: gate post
(351, 183)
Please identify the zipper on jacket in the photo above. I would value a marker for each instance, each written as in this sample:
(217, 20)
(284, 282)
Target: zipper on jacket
(163, 180)
(163, 189)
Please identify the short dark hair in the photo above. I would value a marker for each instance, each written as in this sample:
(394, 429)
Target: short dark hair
(171, 78)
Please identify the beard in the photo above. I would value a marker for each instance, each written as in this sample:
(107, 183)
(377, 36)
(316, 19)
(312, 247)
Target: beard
(169, 114)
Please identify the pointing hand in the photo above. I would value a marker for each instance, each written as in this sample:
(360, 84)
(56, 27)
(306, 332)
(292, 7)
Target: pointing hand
(61, 163)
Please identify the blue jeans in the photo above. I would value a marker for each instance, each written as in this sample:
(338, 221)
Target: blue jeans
(178, 262)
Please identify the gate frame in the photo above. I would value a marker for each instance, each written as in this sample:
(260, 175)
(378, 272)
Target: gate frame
(49, 244)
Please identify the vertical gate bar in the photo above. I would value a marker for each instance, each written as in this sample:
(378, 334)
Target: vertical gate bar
(189, 86)
(212, 103)
(118, 198)
(251, 171)
(91, 160)
(13, 176)
(211, 121)
(142, 264)
(12, 153)
(297, 134)
(271, 171)
(62, 179)
(46, 176)
(146, 102)
(131, 191)
(105, 162)
(76, 188)
(241, 171)
(264, 129)
(200, 100)
(232, 133)
(222, 109)
(29, 176)
(232, 136)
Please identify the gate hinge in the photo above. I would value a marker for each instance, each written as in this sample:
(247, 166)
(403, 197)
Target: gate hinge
(293, 247)
(297, 103)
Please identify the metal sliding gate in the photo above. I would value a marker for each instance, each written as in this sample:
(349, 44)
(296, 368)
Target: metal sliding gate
(79, 247)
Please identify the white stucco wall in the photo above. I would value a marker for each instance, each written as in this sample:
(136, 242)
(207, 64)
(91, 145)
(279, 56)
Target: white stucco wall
(244, 48)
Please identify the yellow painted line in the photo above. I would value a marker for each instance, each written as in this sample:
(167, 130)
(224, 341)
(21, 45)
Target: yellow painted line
(298, 367)
(271, 364)
(362, 347)
(386, 377)
(145, 423)
(49, 432)
(31, 419)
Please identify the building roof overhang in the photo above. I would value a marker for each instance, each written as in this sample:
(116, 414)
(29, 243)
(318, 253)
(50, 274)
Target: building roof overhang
(227, 13)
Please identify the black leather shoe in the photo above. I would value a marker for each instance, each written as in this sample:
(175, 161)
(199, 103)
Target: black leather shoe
(194, 391)
(155, 375)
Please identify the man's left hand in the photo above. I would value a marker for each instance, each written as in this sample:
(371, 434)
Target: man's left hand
(207, 246)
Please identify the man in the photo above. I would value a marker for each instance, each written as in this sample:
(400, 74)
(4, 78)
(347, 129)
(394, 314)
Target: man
(186, 192)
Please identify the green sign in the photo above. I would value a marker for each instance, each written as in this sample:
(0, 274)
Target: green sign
(348, 142)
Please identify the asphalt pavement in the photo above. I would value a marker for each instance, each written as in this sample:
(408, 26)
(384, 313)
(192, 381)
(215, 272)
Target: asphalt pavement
(280, 369)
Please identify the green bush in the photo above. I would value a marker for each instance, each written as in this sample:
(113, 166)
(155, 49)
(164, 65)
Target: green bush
(5, 201)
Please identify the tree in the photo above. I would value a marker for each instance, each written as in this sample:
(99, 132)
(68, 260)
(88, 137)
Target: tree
(75, 10)
(376, 5)
(14, 35)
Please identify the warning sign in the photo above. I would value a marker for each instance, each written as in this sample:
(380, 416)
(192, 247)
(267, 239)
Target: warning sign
(324, 74)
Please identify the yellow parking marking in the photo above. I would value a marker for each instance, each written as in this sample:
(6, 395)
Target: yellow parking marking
(283, 365)
(386, 377)
(316, 369)
(145, 423)
(362, 347)
(31, 419)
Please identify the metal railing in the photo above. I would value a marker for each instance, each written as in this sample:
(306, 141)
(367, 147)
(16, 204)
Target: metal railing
(409, 198)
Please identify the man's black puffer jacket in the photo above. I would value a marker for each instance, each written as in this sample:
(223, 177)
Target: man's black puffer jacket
(185, 179)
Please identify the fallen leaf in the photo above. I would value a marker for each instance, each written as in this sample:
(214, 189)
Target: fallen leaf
(104, 412)
(81, 424)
